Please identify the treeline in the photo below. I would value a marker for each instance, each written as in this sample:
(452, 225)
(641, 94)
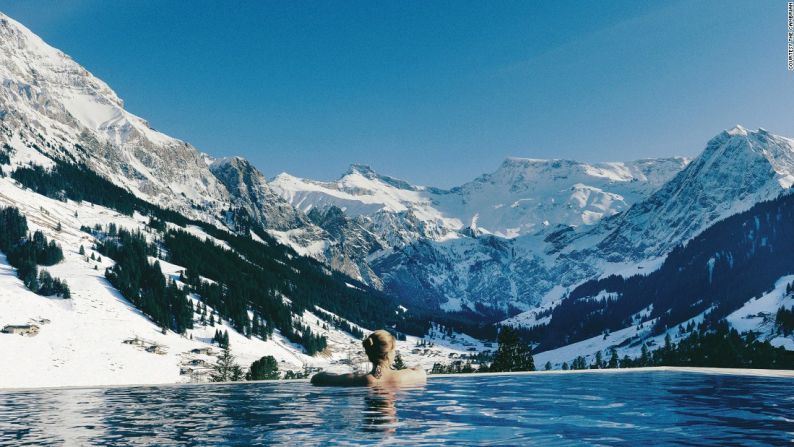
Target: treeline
(226, 369)
(714, 345)
(77, 182)
(241, 284)
(719, 270)
(512, 355)
(308, 283)
(142, 282)
(339, 323)
(26, 252)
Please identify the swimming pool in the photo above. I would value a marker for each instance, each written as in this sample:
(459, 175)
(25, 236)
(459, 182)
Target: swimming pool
(629, 408)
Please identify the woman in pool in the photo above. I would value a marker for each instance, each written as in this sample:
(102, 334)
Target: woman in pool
(380, 348)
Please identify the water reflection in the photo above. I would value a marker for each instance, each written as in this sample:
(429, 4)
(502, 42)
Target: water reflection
(380, 412)
(590, 409)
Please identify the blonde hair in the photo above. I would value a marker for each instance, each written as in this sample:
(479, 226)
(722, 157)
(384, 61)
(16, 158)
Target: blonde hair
(378, 345)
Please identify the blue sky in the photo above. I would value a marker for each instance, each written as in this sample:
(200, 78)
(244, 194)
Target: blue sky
(434, 92)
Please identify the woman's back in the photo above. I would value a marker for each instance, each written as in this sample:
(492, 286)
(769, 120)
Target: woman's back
(380, 348)
(402, 377)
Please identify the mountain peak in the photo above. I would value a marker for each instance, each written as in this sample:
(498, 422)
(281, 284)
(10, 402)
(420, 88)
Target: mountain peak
(235, 161)
(358, 168)
(737, 169)
(370, 174)
(737, 130)
(27, 57)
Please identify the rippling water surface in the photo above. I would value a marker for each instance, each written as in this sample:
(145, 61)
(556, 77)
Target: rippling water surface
(651, 408)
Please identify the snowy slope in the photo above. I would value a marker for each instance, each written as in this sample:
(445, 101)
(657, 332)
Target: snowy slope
(758, 314)
(81, 339)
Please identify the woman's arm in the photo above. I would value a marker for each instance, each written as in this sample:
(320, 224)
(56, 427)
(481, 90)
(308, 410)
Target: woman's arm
(330, 379)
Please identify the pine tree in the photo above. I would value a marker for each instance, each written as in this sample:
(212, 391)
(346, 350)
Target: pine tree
(548, 366)
(265, 368)
(645, 358)
(579, 363)
(82, 250)
(512, 354)
(613, 358)
(225, 369)
(398, 361)
(599, 361)
(565, 366)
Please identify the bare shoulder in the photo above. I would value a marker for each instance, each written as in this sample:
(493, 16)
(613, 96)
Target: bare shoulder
(412, 376)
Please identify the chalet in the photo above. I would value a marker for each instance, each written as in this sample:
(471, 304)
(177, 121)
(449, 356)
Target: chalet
(156, 349)
(134, 341)
(21, 329)
(204, 351)
(198, 362)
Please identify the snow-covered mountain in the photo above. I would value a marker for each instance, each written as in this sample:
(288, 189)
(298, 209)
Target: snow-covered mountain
(464, 246)
(53, 111)
(53, 107)
(56, 107)
(585, 220)
(737, 169)
(515, 241)
(522, 196)
(452, 248)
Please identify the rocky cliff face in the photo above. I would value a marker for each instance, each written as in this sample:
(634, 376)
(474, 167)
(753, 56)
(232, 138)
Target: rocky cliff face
(249, 190)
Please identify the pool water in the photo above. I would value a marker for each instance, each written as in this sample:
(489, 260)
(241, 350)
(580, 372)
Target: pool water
(629, 408)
